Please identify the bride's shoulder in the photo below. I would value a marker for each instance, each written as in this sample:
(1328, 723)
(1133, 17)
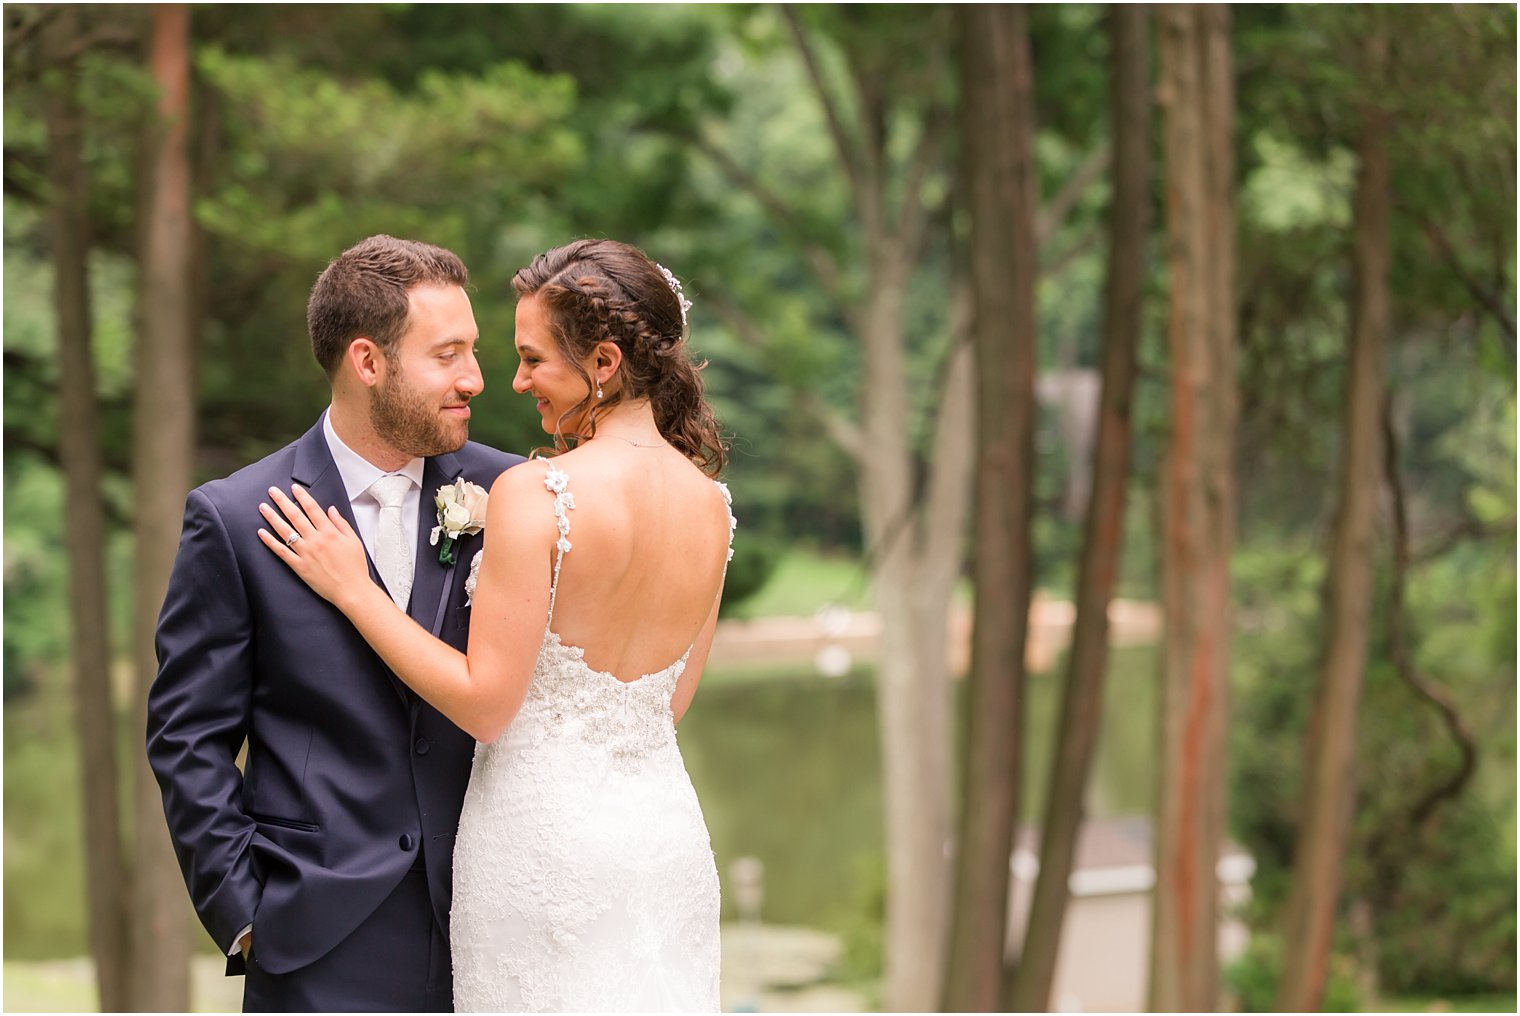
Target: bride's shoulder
(520, 509)
(527, 487)
(588, 465)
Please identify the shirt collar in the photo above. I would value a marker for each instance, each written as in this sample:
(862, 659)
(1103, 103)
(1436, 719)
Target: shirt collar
(357, 471)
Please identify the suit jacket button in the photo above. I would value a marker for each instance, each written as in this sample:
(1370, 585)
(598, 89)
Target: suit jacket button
(422, 746)
(407, 843)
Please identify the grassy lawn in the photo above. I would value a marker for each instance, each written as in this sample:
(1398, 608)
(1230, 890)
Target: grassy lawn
(50, 987)
(69, 986)
(805, 581)
(1457, 1003)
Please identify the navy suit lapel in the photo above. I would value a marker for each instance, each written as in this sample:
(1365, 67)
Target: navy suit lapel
(432, 581)
(318, 473)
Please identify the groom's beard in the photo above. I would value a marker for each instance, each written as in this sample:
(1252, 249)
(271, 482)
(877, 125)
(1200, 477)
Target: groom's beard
(409, 421)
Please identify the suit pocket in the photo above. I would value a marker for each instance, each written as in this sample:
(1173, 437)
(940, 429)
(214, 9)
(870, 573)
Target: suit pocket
(285, 844)
(285, 823)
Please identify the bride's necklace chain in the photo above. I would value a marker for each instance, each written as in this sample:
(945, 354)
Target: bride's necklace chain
(636, 444)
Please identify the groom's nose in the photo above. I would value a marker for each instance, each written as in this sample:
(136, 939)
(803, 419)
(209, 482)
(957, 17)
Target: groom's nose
(472, 382)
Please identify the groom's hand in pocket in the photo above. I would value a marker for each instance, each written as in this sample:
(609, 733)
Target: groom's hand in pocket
(246, 944)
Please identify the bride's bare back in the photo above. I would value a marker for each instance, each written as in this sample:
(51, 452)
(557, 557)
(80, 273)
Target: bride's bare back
(651, 536)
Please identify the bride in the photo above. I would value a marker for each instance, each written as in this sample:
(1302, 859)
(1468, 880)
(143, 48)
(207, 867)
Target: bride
(583, 874)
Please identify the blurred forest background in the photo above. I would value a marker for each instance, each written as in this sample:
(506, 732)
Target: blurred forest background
(1206, 308)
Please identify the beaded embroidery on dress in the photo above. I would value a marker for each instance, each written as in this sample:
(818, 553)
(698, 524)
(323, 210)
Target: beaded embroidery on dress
(583, 873)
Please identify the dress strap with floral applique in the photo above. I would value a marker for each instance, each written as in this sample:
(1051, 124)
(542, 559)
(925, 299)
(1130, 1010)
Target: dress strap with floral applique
(733, 523)
(558, 483)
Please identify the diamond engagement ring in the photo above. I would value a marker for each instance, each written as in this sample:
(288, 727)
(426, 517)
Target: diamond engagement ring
(292, 539)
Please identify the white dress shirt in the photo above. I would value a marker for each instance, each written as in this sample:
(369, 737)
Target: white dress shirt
(358, 473)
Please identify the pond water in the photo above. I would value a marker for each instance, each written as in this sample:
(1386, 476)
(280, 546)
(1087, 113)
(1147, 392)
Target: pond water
(788, 771)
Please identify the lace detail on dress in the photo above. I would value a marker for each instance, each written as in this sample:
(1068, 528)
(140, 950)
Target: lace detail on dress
(471, 579)
(583, 874)
(559, 485)
(733, 523)
(629, 720)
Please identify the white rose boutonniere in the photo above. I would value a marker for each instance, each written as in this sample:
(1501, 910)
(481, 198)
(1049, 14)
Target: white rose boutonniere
(461, 512)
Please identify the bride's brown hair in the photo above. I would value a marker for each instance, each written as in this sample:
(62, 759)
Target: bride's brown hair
(604, 291)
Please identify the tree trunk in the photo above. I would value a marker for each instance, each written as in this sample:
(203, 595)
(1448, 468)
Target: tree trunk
(81, 460)
(1223, 411)
(912, 692)
(163, 455)
(1198, 500)
(913, 520)
(1329, 781)
(1081, 707)
(1001, 192)
(913, 530)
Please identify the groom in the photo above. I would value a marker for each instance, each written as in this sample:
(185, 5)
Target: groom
(322, 868)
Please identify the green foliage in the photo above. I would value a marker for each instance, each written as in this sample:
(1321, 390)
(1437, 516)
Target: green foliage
(312, 163)
(751, 567)
(1447, 924)
(1449, 87)
(318, 159)
(1253, 978)
(1070, 46)
(34, 577)
(1305, 87)
(31, 343)
(1453, 417)
(115, 95)
(1290, 189)
(36, 633)
(862, 922)
(1442, 895)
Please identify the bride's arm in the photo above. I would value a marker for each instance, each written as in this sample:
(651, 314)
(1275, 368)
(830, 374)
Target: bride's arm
(686, 687)
(482, 691)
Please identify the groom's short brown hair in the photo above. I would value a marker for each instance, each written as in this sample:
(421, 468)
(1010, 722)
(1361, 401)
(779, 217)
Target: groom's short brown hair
(363, 294)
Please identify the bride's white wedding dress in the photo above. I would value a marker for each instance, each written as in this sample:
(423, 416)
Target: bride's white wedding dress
(583, 874)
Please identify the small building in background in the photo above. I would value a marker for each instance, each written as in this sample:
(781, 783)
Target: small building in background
(1104, 959)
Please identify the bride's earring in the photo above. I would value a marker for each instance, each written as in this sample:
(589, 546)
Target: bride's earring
(598, 389)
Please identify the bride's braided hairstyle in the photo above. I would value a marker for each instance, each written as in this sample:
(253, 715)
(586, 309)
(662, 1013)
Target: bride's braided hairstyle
(604, 291)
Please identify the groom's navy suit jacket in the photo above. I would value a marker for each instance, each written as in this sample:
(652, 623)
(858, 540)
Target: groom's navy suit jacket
(348, 773)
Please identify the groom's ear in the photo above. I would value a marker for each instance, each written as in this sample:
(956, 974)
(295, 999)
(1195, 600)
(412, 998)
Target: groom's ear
(367, 361)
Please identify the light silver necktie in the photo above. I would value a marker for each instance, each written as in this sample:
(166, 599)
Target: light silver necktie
(393, 555)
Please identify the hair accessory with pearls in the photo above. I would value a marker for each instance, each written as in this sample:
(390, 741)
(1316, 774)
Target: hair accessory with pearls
(675, 287)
